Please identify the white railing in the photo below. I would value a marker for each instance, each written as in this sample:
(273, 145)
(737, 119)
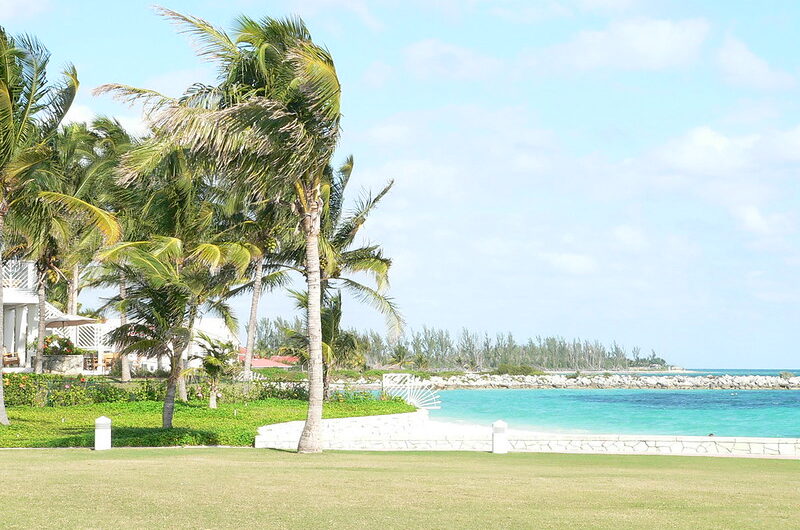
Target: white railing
(411, 389)
(19, 275)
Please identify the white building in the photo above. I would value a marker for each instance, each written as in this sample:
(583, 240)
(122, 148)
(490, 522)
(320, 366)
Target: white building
(21, 320)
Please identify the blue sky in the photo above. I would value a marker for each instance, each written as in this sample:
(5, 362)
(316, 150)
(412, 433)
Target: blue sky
(606, 169)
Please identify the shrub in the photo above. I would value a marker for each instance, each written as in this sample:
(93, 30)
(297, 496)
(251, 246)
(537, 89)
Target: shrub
(511, 369)
(281, 374)
(68, 395)
(58, 345)
(786, 375)
(150, 390)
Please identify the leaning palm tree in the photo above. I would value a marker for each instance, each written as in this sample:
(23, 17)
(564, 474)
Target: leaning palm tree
(274, 126)
(30, 111)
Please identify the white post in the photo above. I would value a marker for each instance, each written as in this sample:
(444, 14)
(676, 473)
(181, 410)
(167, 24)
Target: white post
(499, 437)
(19, 332)
(102, 433)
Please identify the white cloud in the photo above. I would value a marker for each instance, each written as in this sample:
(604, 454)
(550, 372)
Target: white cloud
(78, 114)
(707, 152)
(570, 263)
(739, 65)
(16, 9)
(754, 221)
(432, 58)
(630, 237)
(377, 74)
(84, 114)
(634, 44)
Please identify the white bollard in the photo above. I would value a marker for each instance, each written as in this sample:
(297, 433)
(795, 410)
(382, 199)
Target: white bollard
(102, 433)
(499, 437)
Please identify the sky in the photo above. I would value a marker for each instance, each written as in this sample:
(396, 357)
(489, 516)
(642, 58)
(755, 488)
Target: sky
(620, 170)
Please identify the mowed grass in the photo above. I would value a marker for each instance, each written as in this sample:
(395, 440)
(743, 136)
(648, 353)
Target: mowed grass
(249, 488)
(138, 424)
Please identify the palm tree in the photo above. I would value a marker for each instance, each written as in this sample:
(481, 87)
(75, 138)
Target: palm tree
(158, 310)
(30, 111)
(277, 135)
(216, 359)
(341, 260)
(340, 348)
(111, 142)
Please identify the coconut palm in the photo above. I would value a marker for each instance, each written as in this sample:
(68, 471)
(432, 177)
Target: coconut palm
(111, 142)
(182, 212)
(216, 360)
(341, 260)
(340, 348)
(273, 126)
(30, 111)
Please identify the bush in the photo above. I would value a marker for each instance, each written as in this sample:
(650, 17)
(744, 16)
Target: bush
(281, 374)
(786, 375)
(511, 369)
(68, 395)
(58, 345)
(150, 390)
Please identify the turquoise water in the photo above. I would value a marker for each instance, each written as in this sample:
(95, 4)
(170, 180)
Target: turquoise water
(765, 413)
(694, 372)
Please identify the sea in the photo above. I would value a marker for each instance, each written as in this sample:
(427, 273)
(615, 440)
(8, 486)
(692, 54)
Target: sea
(760, 413)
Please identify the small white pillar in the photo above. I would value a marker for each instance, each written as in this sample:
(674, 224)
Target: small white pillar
(499, 437)
(102, 433)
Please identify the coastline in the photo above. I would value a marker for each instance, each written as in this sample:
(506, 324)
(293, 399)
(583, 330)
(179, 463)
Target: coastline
(597, 381)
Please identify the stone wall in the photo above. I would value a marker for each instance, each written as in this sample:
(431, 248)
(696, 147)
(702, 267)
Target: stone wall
(415, 432)
(63, 364)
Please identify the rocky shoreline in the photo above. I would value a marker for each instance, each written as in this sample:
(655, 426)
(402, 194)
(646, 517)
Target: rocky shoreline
(673, 382)
(727, 382)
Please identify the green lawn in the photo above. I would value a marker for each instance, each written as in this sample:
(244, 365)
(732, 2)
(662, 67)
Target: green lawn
(138, 423)
(249, 488)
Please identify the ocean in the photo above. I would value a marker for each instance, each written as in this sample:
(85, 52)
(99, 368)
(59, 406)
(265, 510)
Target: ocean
(761, 413)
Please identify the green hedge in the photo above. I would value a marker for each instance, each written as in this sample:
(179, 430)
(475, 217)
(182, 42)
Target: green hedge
(43, 390)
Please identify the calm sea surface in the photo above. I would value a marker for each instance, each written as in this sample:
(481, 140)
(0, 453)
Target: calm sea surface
(622, 411)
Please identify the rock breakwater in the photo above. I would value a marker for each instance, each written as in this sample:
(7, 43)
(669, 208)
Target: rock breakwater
(674, 382)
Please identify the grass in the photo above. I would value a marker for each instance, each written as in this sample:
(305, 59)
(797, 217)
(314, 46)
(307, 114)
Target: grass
(248, 488)
(138, 423)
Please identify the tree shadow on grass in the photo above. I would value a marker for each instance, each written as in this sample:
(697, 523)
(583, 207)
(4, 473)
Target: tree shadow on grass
(143, 437)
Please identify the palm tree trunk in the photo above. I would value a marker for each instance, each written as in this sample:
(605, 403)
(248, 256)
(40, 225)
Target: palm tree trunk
(40, 291)
(124, 362)
(3, 414)
(212, 399)
(72, 290)
(326, 381)
(311, 438)
(169, 398)
(251, 323)
(182, 394)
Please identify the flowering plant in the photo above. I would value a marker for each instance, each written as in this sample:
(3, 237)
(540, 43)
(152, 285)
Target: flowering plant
(57, 345)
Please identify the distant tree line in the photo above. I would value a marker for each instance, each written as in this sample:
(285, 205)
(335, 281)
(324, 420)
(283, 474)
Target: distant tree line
(437, 349)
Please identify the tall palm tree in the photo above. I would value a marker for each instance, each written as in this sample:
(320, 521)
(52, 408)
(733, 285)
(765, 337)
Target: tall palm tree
(342, 261)
(30, 111)
(277, 135)
(182, 212)
(112, 141)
